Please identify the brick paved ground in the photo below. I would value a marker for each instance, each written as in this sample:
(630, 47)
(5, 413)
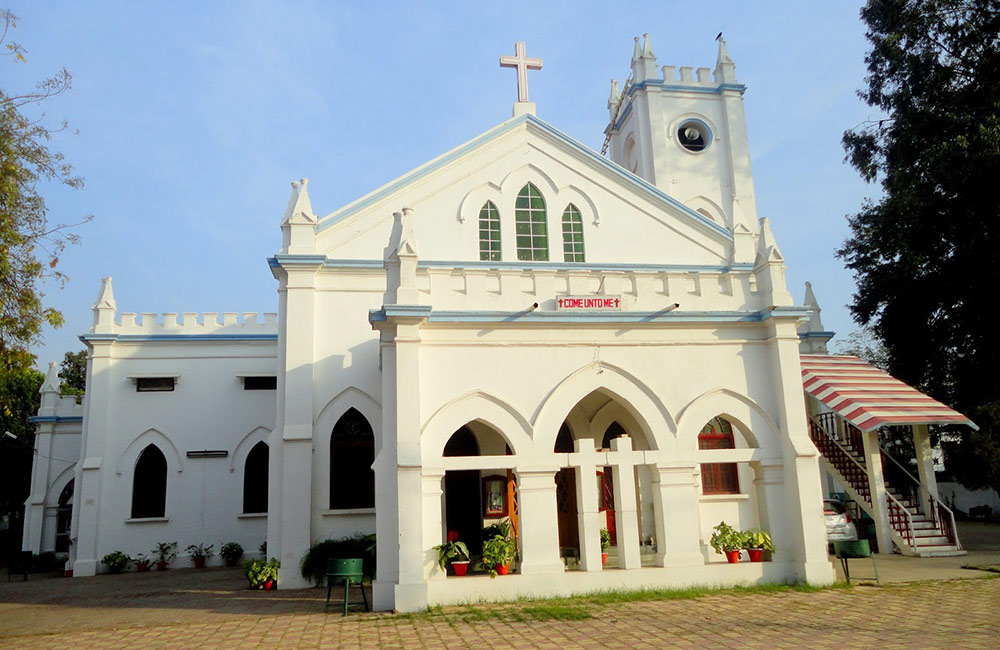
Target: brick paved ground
(212, 609)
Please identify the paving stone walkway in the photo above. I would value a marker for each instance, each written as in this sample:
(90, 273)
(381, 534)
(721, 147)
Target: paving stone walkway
(212, 609)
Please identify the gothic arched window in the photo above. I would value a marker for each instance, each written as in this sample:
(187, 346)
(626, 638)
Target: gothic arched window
(718, 478)
(352, 452)
(255, 479)
(530, 225)
(572, 231)
(149, 484)
(489, 233)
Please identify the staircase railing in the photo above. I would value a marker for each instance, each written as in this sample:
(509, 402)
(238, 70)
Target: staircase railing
(900, 519)
(941, 515)
(842, 460)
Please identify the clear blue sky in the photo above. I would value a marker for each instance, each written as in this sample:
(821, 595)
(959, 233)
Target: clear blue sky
(193, 117)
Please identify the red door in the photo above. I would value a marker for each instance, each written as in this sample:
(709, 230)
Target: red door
(607, 504)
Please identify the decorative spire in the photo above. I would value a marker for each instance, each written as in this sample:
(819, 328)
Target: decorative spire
(400, 262)
(106, 297)
(643, 61)
(51, 383)
(299, 208)
(769, 267)
(105, 308)
(614, 97)
(815, 322)
(725, 69)
(813, 337)
(767, 247)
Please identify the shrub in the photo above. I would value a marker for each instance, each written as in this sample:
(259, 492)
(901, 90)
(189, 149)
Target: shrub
(258, 572)
(200, 550)
(315, 559)
(116, 561)
(231, 551)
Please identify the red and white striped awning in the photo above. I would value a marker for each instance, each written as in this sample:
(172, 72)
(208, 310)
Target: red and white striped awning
(869, 398)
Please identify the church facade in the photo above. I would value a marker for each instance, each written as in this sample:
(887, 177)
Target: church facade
(519, 330)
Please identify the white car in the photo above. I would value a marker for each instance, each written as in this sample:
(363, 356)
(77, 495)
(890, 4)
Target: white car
(839, 527)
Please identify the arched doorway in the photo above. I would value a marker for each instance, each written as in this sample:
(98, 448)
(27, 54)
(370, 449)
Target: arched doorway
(566, 507)
(463, 518)
(64, 516)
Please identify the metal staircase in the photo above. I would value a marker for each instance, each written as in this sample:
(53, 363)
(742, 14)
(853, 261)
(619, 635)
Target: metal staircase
(915, 532)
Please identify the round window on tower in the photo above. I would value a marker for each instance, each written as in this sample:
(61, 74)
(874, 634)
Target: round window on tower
(694, 135)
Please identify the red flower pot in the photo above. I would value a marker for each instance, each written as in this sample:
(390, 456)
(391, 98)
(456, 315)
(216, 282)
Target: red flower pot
(733, 556)
(230, 561)
(199, 563)
(161, 566)
(604, 559)
(755, 554)
(141, 567)
(461, 568)
(501, 569)
(269, 585)
(68, 573)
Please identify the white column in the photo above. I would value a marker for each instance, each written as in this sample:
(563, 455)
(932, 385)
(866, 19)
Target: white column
(675, 510)
(536, 488)
(291, 525)
(626, 511)
(399, 487)
(925, 466)
(587, 503)
(876, 485)
(769, 483)
(433, 484)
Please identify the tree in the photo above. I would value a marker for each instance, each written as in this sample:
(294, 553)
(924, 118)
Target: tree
(73, 372)
(29, 244)
(926, 254)
(19, 400)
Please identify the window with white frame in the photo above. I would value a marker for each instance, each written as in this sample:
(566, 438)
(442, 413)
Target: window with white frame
(489, 233)
(572, 230)
(530, 225)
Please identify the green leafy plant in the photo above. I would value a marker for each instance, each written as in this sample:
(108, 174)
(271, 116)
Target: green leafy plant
(231, 552)
(200, 550)
(455, 551)
(164, 551)
(116, 561)
(315, 560)
(259, 572)
(141, 562)
(757, 538)
(263, 549)
(605, 540)
(726, 538)
(501, 528)
(499, 550)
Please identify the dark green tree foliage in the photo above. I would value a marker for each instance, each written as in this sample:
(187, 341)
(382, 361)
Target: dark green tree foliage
(18, 401)
(926, 255)
(29, 244)
(73, 373)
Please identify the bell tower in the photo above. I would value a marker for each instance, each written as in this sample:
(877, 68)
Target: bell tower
(684, 130)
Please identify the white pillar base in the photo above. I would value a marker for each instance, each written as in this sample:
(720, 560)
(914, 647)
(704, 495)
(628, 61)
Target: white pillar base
(85, 568)
(292, 578)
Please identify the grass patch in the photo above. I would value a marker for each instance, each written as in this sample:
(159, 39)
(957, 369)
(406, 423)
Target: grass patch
(554, 612)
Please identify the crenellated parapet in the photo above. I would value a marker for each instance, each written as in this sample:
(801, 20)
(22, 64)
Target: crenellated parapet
(197, 323)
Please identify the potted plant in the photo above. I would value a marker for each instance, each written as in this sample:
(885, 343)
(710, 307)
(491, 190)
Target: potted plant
(116, 561)
(231, 552)
(756, 541)
(605, 545)
(727, 540)
(164, 552)
(455, 552)
(498, 552)
(141, 563)
(262, 574)
(199, 553)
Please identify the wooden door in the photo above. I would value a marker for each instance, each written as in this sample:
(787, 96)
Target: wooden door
(569, 526)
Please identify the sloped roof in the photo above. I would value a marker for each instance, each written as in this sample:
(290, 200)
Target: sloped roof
(869, 398)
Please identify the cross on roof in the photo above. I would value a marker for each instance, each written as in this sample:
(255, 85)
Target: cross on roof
(523, 64)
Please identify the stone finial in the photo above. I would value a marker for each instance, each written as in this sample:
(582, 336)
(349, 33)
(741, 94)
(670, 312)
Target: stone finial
(813, 337)
(400, 261)
(106, 297)
(51, 383)
(104, 309)
(643, 61)
(769, 267)
(767, 247)
(614, 98)
(299, 208)
(725, 69)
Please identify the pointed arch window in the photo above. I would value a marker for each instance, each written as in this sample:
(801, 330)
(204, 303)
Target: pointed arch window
(530, 225)
(489, 233)
(255, 479)
(572, 231)
(352, 452)
(149, 484)
(718, 478)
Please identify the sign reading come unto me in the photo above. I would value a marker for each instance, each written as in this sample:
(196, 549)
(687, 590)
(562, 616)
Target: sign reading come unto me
(589, 303)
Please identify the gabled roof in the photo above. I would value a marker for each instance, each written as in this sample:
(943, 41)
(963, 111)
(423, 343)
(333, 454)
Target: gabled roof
(869, 398)
(583, 152)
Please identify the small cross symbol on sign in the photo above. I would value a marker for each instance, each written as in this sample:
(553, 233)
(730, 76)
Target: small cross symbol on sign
(523, 64)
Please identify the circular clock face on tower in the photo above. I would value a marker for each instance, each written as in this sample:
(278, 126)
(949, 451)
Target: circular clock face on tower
(694, 135)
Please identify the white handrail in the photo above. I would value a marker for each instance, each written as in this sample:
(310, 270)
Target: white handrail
(935, 501)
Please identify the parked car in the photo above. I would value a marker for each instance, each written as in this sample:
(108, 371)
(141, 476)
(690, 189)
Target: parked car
(839, 527)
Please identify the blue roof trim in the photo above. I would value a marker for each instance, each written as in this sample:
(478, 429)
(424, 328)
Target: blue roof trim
(398, 311)
(663, 85)
(187, 338)
(597, 317)
(624, 116)
(817, 335)
(35, 419)
(497, 131)
(288, 260)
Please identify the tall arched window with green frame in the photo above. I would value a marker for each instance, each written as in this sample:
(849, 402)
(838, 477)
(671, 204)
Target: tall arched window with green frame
(530, 225)
(572, 231)
(489, 233)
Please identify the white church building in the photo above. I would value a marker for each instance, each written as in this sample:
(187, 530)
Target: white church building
(521, 329)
